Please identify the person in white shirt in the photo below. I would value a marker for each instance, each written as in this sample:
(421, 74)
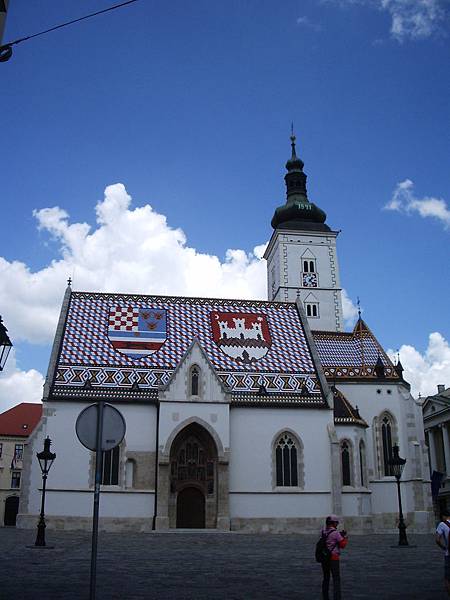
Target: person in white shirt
(442, 540)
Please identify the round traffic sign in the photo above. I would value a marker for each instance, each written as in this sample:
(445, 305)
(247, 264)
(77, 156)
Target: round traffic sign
(113, 427)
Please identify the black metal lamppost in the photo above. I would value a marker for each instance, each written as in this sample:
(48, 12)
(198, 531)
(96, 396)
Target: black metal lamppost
(5, 345)
(45, 459)
(397, 464)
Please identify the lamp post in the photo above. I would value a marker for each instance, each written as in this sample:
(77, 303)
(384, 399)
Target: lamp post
(397, 463)
(45, 459)
(5, 345)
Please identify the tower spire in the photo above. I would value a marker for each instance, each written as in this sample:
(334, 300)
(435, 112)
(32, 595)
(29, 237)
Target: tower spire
(298, 212)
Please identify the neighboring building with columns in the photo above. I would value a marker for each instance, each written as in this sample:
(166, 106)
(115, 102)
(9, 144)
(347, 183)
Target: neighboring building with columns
(241, 414)
(436, 419)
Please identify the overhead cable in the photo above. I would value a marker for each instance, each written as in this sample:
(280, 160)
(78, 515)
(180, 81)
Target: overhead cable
(6, 49)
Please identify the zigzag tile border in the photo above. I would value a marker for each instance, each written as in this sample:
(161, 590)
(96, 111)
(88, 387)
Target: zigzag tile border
(79, 376)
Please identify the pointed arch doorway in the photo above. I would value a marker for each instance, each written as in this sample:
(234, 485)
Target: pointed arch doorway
(193, 479)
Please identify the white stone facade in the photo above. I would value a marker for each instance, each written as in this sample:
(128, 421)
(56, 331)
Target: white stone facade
(249, 498)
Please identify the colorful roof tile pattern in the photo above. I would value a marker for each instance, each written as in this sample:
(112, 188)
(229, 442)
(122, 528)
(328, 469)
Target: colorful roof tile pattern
(352, 355)
(249, 343)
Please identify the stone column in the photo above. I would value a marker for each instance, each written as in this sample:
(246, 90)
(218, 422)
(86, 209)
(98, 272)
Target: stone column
(335, 456)
(433, 459)
(446, 448)
(223, 501)
(162, 515)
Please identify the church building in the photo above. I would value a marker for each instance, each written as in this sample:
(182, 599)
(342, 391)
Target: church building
(247, 415)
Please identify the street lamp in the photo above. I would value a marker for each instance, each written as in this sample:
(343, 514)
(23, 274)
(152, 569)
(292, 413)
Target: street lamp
(397, 464)
(45, 459)
(5, 345)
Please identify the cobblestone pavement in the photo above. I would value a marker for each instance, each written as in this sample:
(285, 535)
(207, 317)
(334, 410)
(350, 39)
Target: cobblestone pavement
(210, 565)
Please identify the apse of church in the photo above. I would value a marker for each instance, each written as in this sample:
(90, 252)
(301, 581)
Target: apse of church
(241, 414)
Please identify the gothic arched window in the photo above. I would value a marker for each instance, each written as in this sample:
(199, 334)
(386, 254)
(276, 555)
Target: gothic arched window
(346, 463)
(286, 461)
(195, 379)
(386, 441)
(110, 466)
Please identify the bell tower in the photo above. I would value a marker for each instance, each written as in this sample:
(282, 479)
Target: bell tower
(301, 255)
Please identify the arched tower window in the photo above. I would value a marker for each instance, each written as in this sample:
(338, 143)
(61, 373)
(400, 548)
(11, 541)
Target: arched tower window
(312, 309)
(346, 463)
(286, 460)
(309, 266)
(362, 463)
(195, 380)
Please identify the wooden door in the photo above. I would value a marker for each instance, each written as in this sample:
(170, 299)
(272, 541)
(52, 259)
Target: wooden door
(191, 509)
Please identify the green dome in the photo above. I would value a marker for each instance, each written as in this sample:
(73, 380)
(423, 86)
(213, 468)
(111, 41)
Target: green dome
(300, 214)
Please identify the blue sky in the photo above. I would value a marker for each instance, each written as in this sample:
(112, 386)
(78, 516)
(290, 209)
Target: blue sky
(189, 105)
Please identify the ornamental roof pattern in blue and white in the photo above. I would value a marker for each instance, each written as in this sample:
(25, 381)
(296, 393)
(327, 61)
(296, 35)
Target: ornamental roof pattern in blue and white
(351, 355)
(275, 352)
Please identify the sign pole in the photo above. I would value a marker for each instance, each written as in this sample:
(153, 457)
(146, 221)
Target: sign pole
(98, 478)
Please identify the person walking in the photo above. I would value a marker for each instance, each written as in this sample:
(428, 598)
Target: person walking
(335, 541)
(442, 538)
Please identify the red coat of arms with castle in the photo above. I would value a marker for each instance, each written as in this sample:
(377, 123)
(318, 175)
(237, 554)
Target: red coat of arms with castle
(242, 336)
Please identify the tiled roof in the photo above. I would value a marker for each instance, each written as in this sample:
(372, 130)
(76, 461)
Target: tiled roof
(20, 420)
(351, 355)
(277, 358)
(344, 413)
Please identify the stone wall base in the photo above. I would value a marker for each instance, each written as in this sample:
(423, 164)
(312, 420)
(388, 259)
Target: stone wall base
(161, 523)
(417, 522)
(66, 523)
(223, 523)
(277, 525)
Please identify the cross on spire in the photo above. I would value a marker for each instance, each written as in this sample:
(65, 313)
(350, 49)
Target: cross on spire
(293, 139)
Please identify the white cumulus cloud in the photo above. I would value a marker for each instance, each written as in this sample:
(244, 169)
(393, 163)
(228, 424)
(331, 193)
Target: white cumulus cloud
(349, 309)
(18, 386)
(410, 19)
(129, 250)
(404, 200)
(425, 371)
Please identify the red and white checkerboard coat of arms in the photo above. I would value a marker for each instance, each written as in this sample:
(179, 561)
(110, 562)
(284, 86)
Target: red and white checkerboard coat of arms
(137, 332)
(242, 336)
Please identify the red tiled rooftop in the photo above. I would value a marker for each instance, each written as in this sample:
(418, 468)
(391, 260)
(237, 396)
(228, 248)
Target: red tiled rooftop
(20, 420)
